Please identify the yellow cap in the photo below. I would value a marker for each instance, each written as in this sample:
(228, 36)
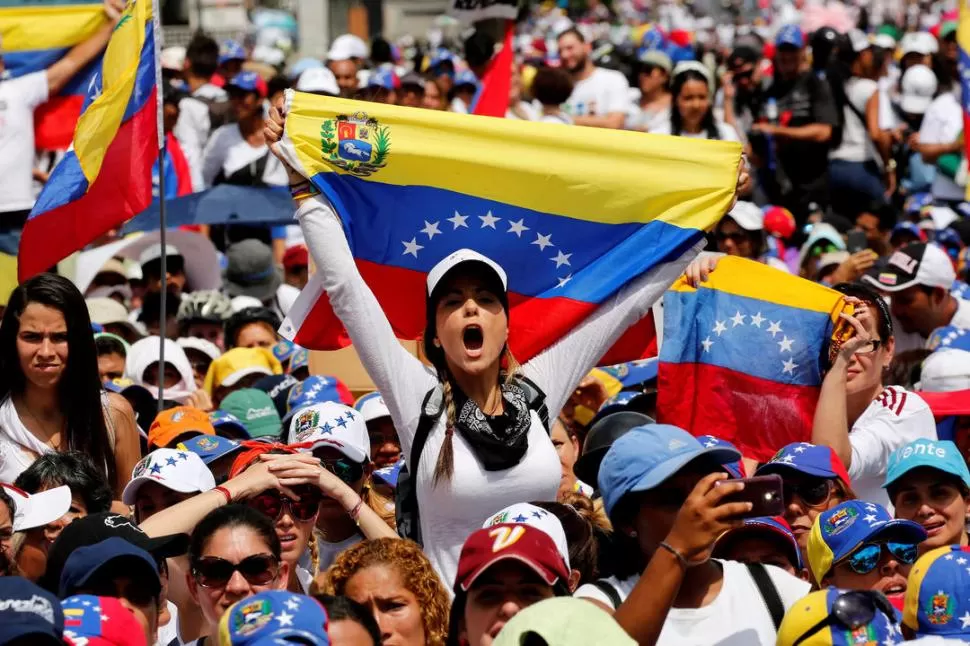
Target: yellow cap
(238, 363)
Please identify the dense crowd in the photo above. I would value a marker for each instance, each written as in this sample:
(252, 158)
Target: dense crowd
(196, 479)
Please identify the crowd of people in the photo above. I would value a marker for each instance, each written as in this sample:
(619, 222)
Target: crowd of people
(189, 480)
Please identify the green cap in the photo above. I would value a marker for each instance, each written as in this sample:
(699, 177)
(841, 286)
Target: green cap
(947, 28)
(255, 409)
(564, 621)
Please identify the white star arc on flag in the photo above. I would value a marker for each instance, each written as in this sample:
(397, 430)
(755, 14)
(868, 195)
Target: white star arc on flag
(543, 241)
(458, 220)
(488, 220)
(431, 229)
(412, 248)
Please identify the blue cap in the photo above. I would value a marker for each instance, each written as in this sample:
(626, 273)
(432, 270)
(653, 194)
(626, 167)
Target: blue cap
(646, 456)
(652, 39)
(735, 467)
(941, 455)
(633, 373)
(29, 610)
(907, 227)
(274, 617)
(84, 562)
(283, 350)
(223, 420)
(938, 594)
(278, 388)
(385, 78)
(949, 337)
(300, 359)
(231, 51)
(790, 35)
(803, 457)
(315, 389)
(916, 202)
(97, 328)
(775, 526)
(210, 447)
(389, 474)
(466, 77)
(247, 82)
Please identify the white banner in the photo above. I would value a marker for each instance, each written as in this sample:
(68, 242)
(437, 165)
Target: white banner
(469, 11)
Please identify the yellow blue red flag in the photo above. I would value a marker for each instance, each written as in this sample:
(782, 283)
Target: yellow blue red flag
(105, 178)
(572, 214)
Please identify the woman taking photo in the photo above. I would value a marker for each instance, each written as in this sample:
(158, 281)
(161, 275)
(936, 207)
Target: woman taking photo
(692, 111)
(487, 450)
(50, 393)
(394, 580)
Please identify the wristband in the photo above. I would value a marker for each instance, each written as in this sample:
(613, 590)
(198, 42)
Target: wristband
(224, 492)
(303, 190)
(680, 557)
(355, 512)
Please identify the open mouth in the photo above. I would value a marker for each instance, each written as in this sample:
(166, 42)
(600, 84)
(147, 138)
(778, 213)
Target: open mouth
(934, 527)
(895, 589)
(473, 338)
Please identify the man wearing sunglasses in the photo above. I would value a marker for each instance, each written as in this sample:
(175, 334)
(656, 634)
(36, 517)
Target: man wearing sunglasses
(834, 616)
(858, 546)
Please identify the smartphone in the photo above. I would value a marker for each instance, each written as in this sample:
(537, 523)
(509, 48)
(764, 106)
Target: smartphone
(763, 492)
(857, 241)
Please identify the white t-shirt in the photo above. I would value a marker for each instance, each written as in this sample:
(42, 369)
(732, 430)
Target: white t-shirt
(193, 127)
(330, 551)
(649, 121)
(18, 98)
(725, 132)
(942, 124)
(603, 92)
(18, 447)
(168, 635)
(228, 151)
(736, 617)
(894, 418)
(562, 118)
(856, 145)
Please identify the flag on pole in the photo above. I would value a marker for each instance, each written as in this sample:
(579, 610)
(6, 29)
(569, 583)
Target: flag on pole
(35, 35)
(492, 99)
(742, 355)
(963, 62)
(106, 176)
(572, 214)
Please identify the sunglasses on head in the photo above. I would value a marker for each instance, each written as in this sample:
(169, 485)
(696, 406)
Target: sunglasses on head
(814, 493)
(271, 503)
(852, 610)
(866, 559)
(344, 468)
(215, 572)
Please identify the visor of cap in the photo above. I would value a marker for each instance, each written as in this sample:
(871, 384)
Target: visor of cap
(448, 264)
(39, 509)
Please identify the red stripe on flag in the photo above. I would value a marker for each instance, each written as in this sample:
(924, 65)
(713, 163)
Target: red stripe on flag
(54, 122)
(759, 416)
(493, 100)
(122, 189)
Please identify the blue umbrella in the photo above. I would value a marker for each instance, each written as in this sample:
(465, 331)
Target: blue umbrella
(223, 204)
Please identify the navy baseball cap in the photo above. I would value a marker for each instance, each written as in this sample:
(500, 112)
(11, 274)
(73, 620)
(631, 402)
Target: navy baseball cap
(27, 610)
(315, 389)
(790, 36)
(735, 468)
(810, 459)
(85, 562)
(210, 447)
(278, 388)
(248, 82)
(225, 420)
(274, 617)
(646, 456)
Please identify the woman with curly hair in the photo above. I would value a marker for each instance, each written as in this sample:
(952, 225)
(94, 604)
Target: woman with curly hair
(395, 581)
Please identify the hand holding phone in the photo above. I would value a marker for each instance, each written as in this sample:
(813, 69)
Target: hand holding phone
(856, 241)
(763, 492)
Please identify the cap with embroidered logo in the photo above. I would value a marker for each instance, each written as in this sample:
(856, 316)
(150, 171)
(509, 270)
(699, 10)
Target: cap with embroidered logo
(175, 422)
(177, 469)
(937, 598)
(100, 621)
(372, 407)
(315, 390)
(524, 513)
(255, 410)
(808, 613)
(274, 617)
(331, 425)
(27, 611)
(806, 458)
(210, 447)
(523, 543)
(915, 264)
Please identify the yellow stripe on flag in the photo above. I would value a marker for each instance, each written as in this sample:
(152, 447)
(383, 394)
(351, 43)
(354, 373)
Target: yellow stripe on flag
(34, 28)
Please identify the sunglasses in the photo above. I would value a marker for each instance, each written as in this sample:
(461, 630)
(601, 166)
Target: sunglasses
(851, 611)
(813, 494)
(215, 572)
(866, 559)
(739, 76)
(271, 503)
(820, 249)
(737, 237)
(345, 469)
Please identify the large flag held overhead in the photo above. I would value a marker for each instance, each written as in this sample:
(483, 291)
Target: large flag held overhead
(742, 355)
(106, 176)
(572, 214)
(36, 34)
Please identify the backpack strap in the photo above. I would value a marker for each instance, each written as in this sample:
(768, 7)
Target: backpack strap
(769, 593)
(431, 409)
(609, 590)
(406, 511)
(535, 398)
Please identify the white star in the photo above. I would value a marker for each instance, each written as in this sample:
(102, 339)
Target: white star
(517, 227)
(104, 618)
(563, 281)
(774, 328)
(757, 320)
(292, 603)
(869, 518)
(710, 444)
(285, 619)
(785, 344)
(458, 220)
(97, 608)
(889, 641)
(870, 507)
(738, 318)
(488, 220)
(799, 449)
(965, 620)
(561, 259)
(543, 241)
(707, 343)
(411, 247)
(719, 327)
(948, 557)
(789, 367)
(431, 229)
(788, 459)
(961, 561)
(85, 603)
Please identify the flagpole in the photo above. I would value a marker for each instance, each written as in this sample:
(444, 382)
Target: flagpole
(162, 237)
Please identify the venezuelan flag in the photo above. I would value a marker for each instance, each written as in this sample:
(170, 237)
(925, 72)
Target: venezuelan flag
(963, 53)
(36, 34)
(742, 355)
(106, 176)
(571, 213)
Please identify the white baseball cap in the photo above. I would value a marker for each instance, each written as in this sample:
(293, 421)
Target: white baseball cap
(945, 371)
(204, 346)
(347, 46)
(859, 41)
(372, 407)
(942, 216)
(456, 258)
(175, 469)
(915, 264)
(525, 513)
(154, 252)
(919, 42)
(748, 216)
(173, 58)
(334, 425)
(241, 302)
(37, 509)
(104, 310)
(885, 41)
(919, 87)
(318, 79)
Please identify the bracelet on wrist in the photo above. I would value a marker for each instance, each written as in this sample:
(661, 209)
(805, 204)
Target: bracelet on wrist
(224, 492)
(680, 557)
(355, 512)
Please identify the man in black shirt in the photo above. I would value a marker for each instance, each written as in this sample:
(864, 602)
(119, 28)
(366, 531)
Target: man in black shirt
(799, 118)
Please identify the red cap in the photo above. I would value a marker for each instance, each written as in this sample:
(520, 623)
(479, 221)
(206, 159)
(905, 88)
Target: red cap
(100, 621)
(296, 256)
(528, 545)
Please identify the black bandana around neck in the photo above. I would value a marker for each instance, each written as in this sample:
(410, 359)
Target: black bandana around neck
(499, 441)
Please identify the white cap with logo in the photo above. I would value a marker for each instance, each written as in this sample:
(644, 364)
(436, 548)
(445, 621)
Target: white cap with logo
(526, 513)
(176, 469)
(915, 264)
(372, 407)
(331, 425)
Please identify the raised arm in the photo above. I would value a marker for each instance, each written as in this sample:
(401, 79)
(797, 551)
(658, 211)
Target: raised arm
(83, 53)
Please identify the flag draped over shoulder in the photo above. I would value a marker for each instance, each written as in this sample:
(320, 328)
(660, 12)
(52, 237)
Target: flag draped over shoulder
(36, 34)
(572, 214)
(106, 176)
(742, 355)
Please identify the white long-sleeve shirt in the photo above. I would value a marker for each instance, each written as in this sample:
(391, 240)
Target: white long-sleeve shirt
(453, 509)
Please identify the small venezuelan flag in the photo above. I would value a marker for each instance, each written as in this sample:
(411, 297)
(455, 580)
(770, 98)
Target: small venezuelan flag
(106, 176)
(572, 214)
(742, 355)
(36, 34)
